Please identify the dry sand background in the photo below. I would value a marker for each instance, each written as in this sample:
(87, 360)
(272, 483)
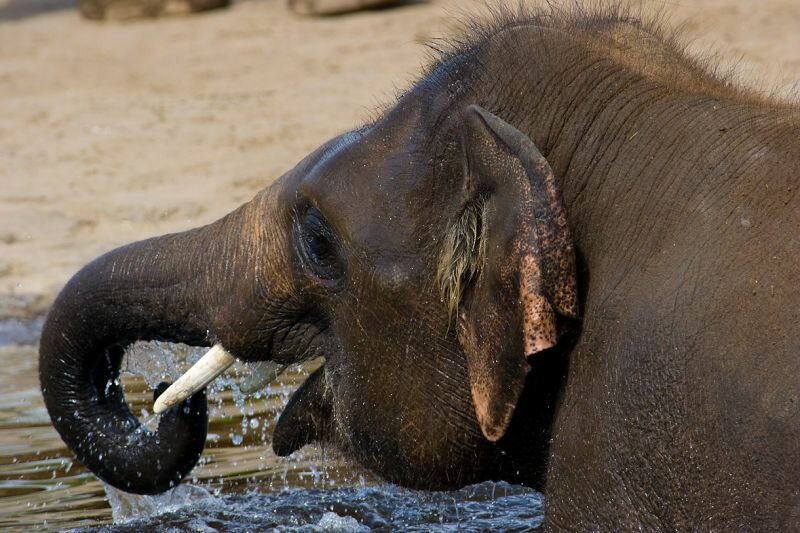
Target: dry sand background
(111, 133)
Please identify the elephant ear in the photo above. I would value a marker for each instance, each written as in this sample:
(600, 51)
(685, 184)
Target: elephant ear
(526, 273)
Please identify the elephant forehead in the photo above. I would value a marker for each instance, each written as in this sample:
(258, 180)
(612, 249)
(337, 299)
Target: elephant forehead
(369, 187)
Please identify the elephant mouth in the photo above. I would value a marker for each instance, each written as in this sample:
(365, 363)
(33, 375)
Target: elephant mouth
(298, 341)
(214, 363)
(306, 417)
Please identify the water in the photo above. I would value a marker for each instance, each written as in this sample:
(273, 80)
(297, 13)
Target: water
(483, 507)
(240, 485)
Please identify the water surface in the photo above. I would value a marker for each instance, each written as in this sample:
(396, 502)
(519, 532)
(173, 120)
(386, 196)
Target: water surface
(240, 485)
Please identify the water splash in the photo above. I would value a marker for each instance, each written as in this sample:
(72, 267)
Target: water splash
(158, 361)
(302, 493)
(126, 506)
(486, 506)
(331, 521)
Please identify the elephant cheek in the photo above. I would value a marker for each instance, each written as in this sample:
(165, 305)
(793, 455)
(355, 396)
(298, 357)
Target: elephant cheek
(307, 417)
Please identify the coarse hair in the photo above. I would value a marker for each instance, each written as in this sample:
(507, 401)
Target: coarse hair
(462, 255)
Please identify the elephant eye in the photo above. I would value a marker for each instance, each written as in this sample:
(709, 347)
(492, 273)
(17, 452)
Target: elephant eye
(317, 246)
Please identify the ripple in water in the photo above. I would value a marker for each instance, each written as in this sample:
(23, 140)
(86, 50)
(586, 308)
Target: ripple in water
(325, 506)
(487, 506)
(14, 331)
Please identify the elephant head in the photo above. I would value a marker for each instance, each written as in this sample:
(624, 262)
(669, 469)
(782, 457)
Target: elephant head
(425, 256)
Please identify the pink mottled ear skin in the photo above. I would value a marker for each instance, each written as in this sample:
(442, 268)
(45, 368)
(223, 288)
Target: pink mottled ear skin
(538, 317)
(510, 312)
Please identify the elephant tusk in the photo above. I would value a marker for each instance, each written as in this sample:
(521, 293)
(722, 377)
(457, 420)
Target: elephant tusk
(262, 375)
(203, 372)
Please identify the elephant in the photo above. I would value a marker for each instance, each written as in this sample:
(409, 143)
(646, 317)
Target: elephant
(568, 256)
(337, 7)
(133, 9)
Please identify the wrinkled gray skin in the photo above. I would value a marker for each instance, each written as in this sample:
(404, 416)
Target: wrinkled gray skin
(672, 401)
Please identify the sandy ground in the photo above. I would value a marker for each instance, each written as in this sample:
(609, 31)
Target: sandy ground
(111, 133)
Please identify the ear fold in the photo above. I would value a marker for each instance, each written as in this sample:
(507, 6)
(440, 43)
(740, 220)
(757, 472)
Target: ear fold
(528, 275)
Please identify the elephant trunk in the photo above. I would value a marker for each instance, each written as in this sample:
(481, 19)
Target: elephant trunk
(157, 289)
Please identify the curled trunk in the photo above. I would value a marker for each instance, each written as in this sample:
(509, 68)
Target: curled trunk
(145, 291)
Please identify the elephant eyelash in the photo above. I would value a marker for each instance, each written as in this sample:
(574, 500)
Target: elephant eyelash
(317, 245)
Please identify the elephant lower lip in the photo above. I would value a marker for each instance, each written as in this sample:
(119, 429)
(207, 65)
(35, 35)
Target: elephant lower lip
(307, 417)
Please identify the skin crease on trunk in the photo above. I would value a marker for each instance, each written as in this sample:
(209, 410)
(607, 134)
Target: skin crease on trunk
(672, 403)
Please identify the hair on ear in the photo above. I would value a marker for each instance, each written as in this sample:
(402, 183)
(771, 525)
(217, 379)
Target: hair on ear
(514, 250)
(463, 254)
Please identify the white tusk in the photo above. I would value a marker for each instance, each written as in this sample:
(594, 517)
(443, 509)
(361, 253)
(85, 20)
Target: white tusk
(203, 372)
(263, 373)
